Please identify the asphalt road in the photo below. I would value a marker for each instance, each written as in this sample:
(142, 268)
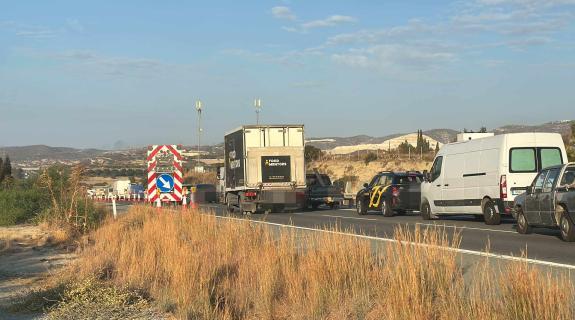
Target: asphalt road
(543, 244)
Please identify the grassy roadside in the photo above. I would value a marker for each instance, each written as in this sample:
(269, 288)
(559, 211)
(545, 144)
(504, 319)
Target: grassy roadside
(195, 267)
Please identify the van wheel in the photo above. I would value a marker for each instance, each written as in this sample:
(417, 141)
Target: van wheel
(385, 209)
(426, 211)
(492, 217)
(523, 226)
(567, 228)
(361, 206)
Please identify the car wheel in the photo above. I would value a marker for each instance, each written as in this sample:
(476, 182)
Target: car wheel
(361, 207)
(426, 211)
(523, 226)
(314, 206)
(491, 216)
(386, 209)
(567, 228)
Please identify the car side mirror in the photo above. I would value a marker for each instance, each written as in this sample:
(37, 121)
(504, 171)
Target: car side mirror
(365, 185)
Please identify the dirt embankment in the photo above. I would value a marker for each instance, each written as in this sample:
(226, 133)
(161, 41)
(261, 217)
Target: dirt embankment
(345, 169)
(28, 255)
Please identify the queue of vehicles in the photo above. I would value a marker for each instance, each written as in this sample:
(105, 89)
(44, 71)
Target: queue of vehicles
(265, 171)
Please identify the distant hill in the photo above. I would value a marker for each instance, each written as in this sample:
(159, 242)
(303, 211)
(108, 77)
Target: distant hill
(39, 152)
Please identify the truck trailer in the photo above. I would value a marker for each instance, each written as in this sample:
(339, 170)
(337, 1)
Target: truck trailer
(265, 168)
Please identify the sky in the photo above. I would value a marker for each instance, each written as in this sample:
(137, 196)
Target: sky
(91, 74)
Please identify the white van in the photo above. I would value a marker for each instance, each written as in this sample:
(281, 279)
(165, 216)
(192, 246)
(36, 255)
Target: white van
(482, 176)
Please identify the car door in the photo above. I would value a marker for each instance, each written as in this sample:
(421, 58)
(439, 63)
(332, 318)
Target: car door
(532, 204)
(435, 195)
(377, 191)
(547, 198)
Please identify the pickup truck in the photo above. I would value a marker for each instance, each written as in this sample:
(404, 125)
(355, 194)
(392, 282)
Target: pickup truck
(320, 191)
(549, 202)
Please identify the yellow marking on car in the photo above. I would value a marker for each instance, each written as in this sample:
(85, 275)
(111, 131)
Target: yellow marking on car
(377, 191)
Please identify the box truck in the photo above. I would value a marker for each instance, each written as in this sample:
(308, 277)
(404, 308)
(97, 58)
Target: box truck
(482, 176)
(265, 168)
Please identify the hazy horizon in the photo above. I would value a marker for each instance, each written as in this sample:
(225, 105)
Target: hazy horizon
(91, 74)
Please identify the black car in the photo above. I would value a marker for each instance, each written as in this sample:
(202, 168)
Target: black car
(391, 192)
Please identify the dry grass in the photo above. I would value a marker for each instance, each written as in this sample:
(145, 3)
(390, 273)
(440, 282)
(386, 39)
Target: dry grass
(198, 267)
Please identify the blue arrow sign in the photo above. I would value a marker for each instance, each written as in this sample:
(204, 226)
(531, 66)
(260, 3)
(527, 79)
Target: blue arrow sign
(165, 183)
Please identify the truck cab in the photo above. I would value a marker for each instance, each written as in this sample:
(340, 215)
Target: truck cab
(549, 202)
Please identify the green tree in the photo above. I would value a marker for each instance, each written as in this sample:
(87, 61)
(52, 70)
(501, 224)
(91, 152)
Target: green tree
(7, 167)
(369, 158)
(1, 169)
(483, 130)
(406, 147)
(312, 153)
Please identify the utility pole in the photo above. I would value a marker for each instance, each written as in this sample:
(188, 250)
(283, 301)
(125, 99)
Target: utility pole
(258, 107)
(199, 109)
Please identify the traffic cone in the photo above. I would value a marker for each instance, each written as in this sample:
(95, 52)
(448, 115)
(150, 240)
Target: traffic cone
(193, 203)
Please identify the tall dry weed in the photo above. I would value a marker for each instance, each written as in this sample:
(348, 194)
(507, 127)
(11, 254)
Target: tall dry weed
(200, 267)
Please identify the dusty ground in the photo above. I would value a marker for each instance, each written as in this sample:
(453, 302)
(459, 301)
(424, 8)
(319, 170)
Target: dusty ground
(337, 169)
(27, 256)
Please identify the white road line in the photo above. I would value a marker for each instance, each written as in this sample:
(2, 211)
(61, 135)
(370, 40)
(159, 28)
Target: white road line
(458, 250)
(463, 227)
(344, 217)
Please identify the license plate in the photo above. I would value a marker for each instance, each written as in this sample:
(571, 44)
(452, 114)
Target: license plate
(517, 192)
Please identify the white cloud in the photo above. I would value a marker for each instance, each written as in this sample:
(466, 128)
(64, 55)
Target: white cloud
(328, 22)
(281, 12)
(394, 57)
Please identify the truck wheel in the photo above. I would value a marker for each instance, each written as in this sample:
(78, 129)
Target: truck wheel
(567, 228)
(523, 226)
(386, 209)
(492, 217)
(229, 206)
(361, 207)
(426, 211)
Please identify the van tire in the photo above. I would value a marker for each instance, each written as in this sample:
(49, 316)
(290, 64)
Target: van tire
(567, 228)
(361, 206)
(426, 211)
(386, 209)
(523, 226)
(491, 216)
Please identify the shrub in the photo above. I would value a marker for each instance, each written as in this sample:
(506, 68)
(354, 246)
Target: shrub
(21, 205)
(369, 158)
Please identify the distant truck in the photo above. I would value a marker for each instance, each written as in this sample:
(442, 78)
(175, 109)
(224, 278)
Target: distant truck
(121, 188)
(265, 168)
(549, 202)
(321, 191)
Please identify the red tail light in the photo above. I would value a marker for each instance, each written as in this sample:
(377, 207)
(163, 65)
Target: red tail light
(395, 191)
(251, 194)
(503, 187)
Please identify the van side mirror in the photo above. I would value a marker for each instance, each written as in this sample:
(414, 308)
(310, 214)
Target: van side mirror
(426, 176)
(365, 185)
